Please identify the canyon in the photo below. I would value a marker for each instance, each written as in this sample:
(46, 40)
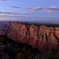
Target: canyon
(2, 23)
(42, 37)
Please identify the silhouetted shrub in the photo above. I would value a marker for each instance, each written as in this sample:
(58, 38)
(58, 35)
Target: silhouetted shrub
(54, 51)
(50, 55)
(35, 50)
(11, 51)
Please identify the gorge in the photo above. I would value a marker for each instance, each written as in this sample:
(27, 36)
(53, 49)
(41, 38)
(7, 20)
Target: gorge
(42, 37)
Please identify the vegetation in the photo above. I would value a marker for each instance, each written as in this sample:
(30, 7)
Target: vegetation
(24, 50)
(50, 55)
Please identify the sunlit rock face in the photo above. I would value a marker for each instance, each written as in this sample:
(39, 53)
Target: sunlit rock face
(42, 37)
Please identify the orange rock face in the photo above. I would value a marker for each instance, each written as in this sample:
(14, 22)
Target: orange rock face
(42, 37)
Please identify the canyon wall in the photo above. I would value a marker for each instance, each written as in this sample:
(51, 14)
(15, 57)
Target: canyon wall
(2, 23)
(42, 37)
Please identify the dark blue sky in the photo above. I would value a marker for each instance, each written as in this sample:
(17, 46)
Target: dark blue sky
(29, 10)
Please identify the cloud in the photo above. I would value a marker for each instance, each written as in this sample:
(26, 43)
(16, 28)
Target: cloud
(51, 9)
(48, 11)
(45, 10)
(52, 5)
(49, 16)
(28, 13)
(3, 0)
(15, 13)
(14, 7)
(54, 8)
(35, 8)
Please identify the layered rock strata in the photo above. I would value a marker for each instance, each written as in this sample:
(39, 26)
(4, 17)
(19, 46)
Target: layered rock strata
(42, 37)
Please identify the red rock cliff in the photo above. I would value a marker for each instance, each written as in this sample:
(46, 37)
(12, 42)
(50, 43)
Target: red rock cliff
(42, 37)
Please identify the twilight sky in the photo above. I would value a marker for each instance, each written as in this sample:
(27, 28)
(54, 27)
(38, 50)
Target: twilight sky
(29, 10)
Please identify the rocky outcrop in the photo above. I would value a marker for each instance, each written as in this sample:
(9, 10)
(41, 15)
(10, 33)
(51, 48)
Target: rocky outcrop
(42, 37)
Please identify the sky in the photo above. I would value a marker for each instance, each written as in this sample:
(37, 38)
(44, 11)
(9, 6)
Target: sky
(29, 10)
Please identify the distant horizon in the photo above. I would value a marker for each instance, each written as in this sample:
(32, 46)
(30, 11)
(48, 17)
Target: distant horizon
(33, 22)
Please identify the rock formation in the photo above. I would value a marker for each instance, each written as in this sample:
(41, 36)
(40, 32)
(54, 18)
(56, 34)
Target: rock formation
(42, 37)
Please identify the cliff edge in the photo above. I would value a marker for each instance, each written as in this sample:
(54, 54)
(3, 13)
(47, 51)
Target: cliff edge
(42, 37)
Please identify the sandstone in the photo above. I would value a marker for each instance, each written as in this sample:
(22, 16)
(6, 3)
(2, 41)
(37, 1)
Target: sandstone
(42, 37)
